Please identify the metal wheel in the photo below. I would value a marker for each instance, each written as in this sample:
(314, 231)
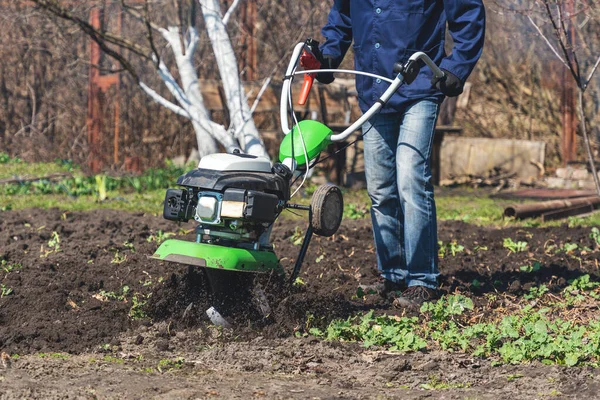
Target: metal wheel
(327, 207)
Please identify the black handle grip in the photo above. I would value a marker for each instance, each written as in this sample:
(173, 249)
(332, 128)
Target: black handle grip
(398, 68)
(409, 71)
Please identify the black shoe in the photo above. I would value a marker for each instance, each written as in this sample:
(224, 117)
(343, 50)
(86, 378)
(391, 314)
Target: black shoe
(415, 296)
(384, 287)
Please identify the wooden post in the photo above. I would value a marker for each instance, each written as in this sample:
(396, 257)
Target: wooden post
(98, 86)
(248, 59)
(569, 94)
(94, 113)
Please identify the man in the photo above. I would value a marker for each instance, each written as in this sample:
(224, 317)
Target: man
(398, 140)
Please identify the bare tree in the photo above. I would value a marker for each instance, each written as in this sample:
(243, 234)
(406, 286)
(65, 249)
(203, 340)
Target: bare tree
(568, 20)
(181, 80)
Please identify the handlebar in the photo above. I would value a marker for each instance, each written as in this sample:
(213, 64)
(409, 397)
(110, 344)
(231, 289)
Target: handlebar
(405, 73)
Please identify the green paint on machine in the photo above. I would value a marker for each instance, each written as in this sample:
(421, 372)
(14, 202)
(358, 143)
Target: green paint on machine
(219, 257)
(316, 138)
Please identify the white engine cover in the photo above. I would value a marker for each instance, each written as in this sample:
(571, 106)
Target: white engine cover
(234, 162)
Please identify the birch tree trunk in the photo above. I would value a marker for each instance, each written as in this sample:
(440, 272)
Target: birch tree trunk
(242, 124)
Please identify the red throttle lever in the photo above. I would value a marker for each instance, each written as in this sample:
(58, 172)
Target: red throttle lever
(308, 61)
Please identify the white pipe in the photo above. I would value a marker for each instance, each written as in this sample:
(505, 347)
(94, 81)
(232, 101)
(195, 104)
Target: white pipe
(395, 84)
(437, 72)
(374, 109)
(347, 71)
(283, 104)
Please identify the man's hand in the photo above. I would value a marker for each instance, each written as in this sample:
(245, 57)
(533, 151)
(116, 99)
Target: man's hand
(316, 60)
(451, 86)
(327, 62)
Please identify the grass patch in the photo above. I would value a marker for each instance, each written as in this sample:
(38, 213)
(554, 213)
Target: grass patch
(561, 329)
(15, 167)
(146, 193)
(149, 202)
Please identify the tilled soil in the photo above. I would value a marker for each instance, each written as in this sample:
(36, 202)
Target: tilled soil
(79, 299)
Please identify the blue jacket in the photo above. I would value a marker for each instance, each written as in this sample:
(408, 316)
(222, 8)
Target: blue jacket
(387, 31)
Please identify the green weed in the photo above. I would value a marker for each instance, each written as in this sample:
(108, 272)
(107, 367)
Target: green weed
(169, 365)
(113, 295)
(112, 359)
(53, 246)
(436, 383)
(535, 267)
(355, 211)
(569, 247)
(6, 267)
(129, 245)
(299, 282)
(452, 248)
(536, 292)
(159, 237)
(392, 331)
(5, 290)
(297, 237)
(514, 247)
(137, 307)
(118, 259)
(60, 356)
(522, 336)
(595, 236)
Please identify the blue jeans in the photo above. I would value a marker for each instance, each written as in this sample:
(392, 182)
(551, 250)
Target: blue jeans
(397, 153)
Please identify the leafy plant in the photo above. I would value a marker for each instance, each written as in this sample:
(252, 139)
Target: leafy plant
(6, 267)
(113, 295)
(61, 356)
(297, 237)
(569, 247)
(112, 359)
(118, 259)
(355, 211)
(159, 237)
(514, 247)
(535, 267)
(447, 307)
(452, 247)
(393, 331)
(435, 383)
(537, 292)
(595, 236)
(137, 307)
(168, 365)
(299, 282)
(53, 245)
(129, 245)
(582, 283)
(5, 290)
(579, 288)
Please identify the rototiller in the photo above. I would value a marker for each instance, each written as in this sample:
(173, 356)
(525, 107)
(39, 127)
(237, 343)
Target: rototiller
(236, 198)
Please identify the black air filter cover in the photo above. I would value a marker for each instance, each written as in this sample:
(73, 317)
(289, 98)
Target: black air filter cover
(261, 206)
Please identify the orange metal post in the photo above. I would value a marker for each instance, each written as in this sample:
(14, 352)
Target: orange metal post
(97, 88)
(94, 115)
(248, 59)
(569, 95)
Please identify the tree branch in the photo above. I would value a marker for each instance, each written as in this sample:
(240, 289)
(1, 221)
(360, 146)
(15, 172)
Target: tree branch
(101, 38)
(149, 34)
(589, 78)
(229, 12)
(562, 43)
(547, 41)
(163, 102)
(172, 85)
